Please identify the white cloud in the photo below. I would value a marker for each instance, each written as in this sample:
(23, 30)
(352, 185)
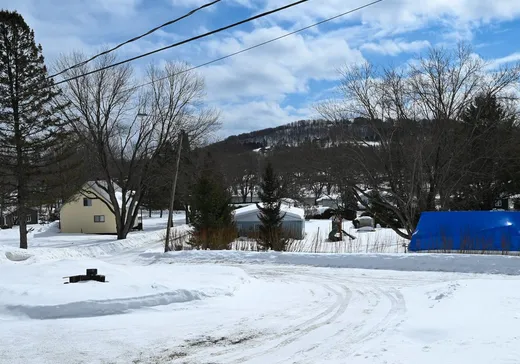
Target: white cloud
(244, 117)
(393, 48)
(498, 62)
(405, 14)
(250, 87)
(276, 69)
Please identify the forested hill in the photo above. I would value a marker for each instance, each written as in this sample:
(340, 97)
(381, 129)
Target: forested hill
(323, 132)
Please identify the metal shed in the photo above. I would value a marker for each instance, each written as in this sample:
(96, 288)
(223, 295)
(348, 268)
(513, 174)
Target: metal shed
(248, 222)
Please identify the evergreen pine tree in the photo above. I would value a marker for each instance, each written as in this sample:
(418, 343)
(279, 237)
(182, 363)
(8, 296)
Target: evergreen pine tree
(211, 210)
(30, 130)
(270, 215)
(491, 131)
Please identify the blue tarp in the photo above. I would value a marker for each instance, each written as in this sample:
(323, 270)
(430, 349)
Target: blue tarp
(467, 231)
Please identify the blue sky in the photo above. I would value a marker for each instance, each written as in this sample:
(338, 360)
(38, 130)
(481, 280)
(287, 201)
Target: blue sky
(280, 82)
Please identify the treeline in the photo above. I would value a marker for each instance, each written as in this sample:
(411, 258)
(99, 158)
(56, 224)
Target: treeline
(446, 131)
(325, 133)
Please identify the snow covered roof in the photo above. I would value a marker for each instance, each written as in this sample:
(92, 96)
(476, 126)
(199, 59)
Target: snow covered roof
(289, 201)
(101, 193)
(294, 211)
(332, 197)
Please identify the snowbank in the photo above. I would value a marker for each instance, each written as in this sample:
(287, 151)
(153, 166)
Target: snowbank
(38, 290)
(485, 264)
(47, 243)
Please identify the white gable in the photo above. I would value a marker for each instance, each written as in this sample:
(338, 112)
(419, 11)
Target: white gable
(94, 186)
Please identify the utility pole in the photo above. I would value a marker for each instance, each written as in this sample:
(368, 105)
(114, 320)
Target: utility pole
(172, 197)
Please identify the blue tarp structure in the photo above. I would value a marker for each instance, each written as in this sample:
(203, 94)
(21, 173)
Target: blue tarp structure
(466, 231)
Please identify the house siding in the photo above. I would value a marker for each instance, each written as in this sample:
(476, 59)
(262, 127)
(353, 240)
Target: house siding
(76, 218)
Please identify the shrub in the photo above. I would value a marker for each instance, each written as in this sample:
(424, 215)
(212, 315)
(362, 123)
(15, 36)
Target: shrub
(213, 239)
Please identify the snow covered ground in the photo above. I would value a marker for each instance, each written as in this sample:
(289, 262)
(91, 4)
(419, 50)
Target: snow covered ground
(246, 307)
(46, 241)
(316, 240)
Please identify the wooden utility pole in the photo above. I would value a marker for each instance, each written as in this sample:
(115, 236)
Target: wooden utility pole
(172, 196)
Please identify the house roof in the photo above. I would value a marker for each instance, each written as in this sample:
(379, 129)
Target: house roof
(332, 197)
(291, 211)
(101, 193)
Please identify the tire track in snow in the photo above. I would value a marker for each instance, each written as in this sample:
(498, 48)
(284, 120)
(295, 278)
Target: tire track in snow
(289, 334)
(354, 338)
(293, 334)
(342, 330)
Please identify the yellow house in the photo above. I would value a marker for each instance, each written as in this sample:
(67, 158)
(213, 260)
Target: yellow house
(87, 211)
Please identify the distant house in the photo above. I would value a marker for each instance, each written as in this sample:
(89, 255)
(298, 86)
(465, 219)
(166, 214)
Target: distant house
(329, 201)
(9, 217)
(236, 199)
(87, 211)
(507, 203)
(293, 224)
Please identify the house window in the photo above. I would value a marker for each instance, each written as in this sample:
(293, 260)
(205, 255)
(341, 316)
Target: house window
(99, 218)
(87, 202)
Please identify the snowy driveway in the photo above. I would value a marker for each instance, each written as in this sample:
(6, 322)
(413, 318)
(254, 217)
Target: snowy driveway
(252, 313)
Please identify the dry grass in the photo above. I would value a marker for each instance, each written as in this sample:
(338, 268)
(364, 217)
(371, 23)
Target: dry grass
(368, 242)
(178, 240)
(213, 239)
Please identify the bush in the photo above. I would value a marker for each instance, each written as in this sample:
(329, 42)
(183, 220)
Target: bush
(214, 239)
(274, 239)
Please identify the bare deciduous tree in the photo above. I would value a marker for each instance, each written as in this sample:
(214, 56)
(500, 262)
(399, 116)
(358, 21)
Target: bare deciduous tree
(125, 127)
(418, 160)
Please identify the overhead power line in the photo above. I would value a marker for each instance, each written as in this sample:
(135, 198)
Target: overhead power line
(136, 38)
(261, 15)
(259, 44)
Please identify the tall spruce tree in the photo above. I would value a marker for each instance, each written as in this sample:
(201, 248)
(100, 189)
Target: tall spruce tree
(211, 210)
(490, 171)
(30, 130)
(271, 216)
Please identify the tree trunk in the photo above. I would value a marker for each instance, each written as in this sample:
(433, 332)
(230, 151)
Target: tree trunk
(161, 214)
(187, 213)
(150, 212)
(22, 220)
(122, 229)
(121, 234)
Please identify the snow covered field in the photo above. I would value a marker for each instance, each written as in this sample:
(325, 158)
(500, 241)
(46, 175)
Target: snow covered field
(246, 307)
(316, 240)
